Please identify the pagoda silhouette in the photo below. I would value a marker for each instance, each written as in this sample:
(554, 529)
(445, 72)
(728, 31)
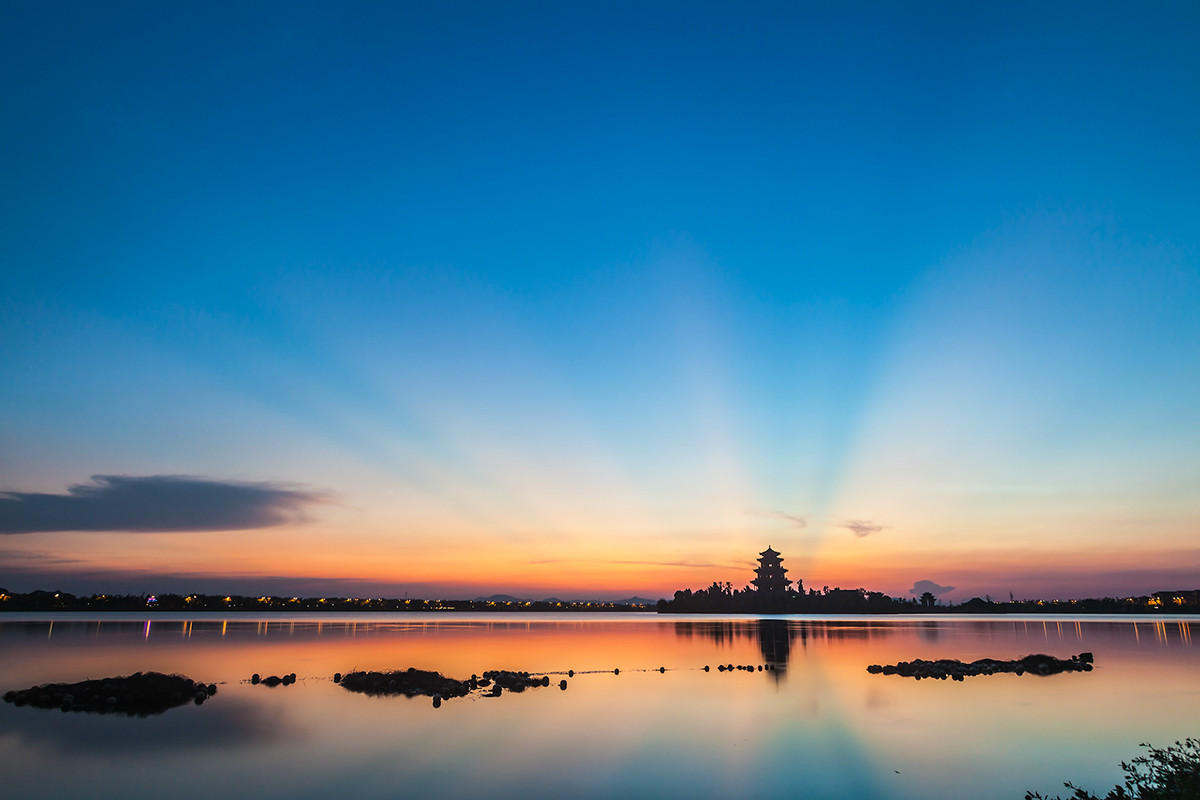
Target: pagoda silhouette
(771, 574)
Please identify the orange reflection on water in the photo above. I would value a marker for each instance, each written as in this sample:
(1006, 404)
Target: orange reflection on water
(816, 719)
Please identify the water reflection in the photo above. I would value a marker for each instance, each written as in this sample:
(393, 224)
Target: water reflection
(780, 631)
(928, 630)
(775, 636)
(775, 642)
(224, 725)
(828, 730)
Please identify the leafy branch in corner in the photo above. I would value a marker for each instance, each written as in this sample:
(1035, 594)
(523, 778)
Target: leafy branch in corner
(1164, 773)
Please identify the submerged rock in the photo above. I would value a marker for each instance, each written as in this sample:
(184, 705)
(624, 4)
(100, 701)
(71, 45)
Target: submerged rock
(137, 695)
(1038, 664)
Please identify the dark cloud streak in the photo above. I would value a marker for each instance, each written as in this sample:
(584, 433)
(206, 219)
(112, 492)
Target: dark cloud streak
(156, 503)
(862, 527)
(920, 587)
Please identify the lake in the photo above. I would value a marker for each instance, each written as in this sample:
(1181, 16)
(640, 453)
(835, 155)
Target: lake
(814, 723)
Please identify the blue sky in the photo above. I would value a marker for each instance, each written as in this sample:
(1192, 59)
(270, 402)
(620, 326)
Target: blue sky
(610, 283)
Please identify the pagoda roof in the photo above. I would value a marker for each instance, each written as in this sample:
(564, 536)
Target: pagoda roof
(768, 552)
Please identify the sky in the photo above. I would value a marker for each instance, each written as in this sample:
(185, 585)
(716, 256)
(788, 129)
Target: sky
(599, 299)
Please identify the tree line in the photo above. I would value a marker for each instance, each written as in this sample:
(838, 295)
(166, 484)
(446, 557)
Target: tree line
(722, 598)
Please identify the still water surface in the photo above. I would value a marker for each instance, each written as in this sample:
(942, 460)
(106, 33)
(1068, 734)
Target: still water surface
(817, 726)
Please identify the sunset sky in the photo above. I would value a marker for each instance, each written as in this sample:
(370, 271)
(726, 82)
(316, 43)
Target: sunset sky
(599, 299)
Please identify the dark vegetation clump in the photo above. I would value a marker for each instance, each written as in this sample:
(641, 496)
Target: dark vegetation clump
(1164, 773)
(137, 695)
(1038, 664)
(410, 682)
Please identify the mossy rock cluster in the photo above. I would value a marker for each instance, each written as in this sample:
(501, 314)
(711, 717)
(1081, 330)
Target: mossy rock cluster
(136, 695)
(513, 681)
(410, 683)
(1038, 664)
(273, 680)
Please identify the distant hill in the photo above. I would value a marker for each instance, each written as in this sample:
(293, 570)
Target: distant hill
(635, 601)
(500, 598)
(628, 601)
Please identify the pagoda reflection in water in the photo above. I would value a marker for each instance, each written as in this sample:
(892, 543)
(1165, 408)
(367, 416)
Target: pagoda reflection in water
(775, 636)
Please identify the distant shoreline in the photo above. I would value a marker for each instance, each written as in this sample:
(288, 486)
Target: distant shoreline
(724, 599)
(64, 602)
(750, 604)
(1058, 613)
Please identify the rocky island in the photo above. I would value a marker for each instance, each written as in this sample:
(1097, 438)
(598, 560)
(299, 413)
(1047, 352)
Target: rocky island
(412, 682)
(1038, 664)
(136, 695)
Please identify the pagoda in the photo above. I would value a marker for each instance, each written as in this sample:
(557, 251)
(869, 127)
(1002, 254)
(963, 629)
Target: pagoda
(772, 575)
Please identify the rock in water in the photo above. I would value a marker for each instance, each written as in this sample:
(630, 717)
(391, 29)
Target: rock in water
(140, 694)
(1038, 664)
(410, 682)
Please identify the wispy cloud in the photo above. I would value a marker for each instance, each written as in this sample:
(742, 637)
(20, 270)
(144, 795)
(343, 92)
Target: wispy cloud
(156, 503)
(861, 527)
(23, 558)
(793, 519)
(921, 587)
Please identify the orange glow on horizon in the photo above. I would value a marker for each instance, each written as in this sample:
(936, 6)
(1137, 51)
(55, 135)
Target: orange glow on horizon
(463, 566)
